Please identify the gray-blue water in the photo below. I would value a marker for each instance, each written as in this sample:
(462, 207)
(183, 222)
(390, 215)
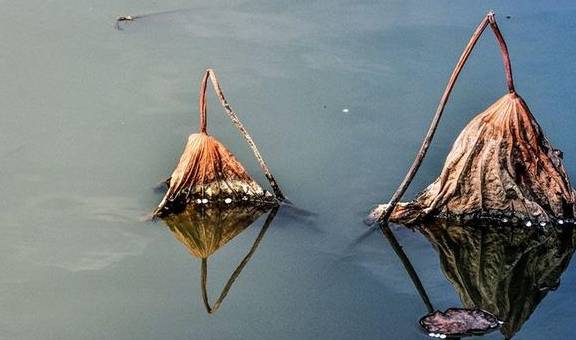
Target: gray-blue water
(92, 118)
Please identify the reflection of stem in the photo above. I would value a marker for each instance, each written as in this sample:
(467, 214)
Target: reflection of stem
(489, 19)
(408, 266)
(234, 118)
(204, 271)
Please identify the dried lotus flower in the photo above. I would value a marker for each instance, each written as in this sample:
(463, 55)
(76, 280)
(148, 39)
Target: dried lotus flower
(207, 172)
(500, 166)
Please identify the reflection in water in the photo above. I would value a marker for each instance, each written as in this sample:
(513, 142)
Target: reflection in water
(454, 322)
(204, 230)
(505, 271)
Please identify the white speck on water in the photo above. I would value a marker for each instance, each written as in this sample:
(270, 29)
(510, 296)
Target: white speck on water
(505, 220)
(228, 200)
(204, 200)
(528, 224)
(345, 110)
(560, 221)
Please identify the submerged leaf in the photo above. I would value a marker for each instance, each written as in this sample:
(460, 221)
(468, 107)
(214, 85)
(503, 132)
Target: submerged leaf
(459, 322)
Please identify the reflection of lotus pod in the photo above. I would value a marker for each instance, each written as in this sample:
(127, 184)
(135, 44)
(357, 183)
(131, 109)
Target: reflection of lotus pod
(459, 322)
(501, 164)
(505, 271)
(204, 230)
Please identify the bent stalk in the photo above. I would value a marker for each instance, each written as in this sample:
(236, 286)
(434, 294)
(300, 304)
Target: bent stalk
(489, 19)
(234, 118)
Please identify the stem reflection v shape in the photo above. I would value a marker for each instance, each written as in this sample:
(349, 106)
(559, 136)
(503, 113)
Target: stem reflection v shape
(211, 309)
(408, 266)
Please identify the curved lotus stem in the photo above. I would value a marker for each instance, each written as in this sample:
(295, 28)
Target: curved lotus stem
(234, 118)
(204, 268)
(489, 19)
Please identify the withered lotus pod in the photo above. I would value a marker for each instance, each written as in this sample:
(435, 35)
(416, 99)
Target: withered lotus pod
(208, 173)
(501, 165)
(503, 270)
(203, 230)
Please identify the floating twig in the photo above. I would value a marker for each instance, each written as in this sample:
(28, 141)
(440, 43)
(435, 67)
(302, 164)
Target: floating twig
(127, 18)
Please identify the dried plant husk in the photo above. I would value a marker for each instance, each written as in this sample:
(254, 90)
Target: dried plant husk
(204, 230)
(504, 270)
(208, 173)
(457, 322)
(501, 165)
(207, 170)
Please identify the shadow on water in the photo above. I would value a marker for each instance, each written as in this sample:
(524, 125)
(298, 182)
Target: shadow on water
(503, 270)
(204, 230)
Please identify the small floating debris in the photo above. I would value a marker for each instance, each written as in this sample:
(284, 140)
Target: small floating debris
(459, 322)
(345, 110)
(126, 18)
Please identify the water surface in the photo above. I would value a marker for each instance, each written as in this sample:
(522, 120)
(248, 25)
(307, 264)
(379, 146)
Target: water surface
(92, 118)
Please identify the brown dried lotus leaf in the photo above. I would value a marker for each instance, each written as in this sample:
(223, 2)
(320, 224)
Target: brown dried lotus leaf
(500, 165)
(207, 170)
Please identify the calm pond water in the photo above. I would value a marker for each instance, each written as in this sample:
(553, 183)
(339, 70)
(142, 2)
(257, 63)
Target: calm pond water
(92, 118)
